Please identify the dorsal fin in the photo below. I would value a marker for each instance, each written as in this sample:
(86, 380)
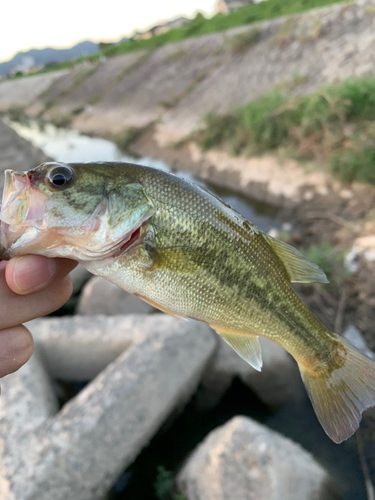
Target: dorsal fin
(246, 346)
(300, 269)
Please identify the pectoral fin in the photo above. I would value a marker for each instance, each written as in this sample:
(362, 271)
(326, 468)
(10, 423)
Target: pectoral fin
(246, 346)
(300, 269)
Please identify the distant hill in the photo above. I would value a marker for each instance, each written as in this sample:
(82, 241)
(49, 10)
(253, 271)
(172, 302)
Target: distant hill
(45, 56)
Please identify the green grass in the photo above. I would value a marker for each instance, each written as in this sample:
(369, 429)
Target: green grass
(164, 485)
(328, 258)
(202, 26)
(242, 41)
(335, 125)
(125, 139)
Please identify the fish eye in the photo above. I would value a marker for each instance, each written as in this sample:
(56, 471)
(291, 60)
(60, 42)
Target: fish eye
(60, 178)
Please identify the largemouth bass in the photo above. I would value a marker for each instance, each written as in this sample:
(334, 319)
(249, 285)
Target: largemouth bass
(186, 252)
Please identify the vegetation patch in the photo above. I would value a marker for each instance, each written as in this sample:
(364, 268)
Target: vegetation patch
(175, 100)
(242, 41)
(78, 111)
(335, 125)
(330, 259)
(296, 81)
(16, 113)
(177, 54)
(134, 65)
(60, 120)
(164, 486)
(94, 99)
(82, 75)
(125, 139)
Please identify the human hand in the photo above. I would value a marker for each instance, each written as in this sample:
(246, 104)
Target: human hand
(30, 286)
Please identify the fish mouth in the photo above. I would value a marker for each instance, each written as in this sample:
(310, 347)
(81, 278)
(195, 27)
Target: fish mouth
(15, 201)
(21, 209)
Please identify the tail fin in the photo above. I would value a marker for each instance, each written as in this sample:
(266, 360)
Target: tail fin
(342, 391)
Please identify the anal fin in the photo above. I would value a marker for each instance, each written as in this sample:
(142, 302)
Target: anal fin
(246, 346)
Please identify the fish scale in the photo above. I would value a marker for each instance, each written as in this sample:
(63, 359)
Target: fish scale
(185, 251)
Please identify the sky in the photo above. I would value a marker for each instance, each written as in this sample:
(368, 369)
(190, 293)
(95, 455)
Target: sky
(40, 23)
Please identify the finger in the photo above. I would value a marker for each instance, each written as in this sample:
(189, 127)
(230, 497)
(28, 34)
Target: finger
(16, 309)
(31, 273)
(16, 347)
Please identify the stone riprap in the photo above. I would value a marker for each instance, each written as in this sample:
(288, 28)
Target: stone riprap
(77, 453)
(366, 432)
(102, 297)
(243, 460)
(278, 381)
(79, 348)
(80, 276)
(178, 84)
(17, 153)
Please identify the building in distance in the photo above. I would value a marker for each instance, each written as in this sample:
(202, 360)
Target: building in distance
(226, 6)
(161, 28)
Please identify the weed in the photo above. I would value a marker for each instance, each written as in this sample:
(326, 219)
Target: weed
(175, 100)
(296, 81)
(179, 53)
(286, 34)
(248, 126)
(16, 113)
(61, 120)
(316, 29)
(82, 75)
(164, 485)
(93, 100)
(334, 125)
(328, 258)
(171, 103)
(125, 139)
(357, 165)
(78, 111)
(49, 103)
(136, 64)
(242, 41)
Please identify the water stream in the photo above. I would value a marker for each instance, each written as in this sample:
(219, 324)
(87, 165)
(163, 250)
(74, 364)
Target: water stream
(67, 145)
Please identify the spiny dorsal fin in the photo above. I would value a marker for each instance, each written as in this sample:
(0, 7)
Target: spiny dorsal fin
(246, 346)
(300, 269)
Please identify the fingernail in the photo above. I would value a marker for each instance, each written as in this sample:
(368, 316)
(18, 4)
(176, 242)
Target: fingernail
(33, 271)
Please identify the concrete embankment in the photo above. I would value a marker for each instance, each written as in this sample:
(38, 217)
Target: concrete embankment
(169, 90)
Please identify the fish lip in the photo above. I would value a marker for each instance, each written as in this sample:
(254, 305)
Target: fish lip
(15, 197)
(15, 211)
(15, 179)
